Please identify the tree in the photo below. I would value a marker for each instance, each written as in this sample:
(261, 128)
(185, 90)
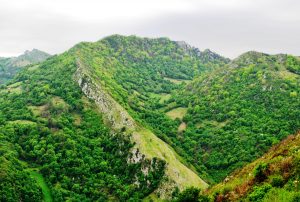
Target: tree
(191, 194)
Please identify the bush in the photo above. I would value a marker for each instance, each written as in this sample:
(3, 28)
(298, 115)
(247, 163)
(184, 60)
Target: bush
(277, 181)
(191, 194)
(296, 197)
(259, 192)
(260, 172)
(281, 195)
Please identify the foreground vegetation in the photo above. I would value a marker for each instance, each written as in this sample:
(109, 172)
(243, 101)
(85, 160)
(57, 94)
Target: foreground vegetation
(273, 177)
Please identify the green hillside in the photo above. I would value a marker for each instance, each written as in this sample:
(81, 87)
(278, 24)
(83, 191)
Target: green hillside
(95, 146)
(131, 118)
(235, 113)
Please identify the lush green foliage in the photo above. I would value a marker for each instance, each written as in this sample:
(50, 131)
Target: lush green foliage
(260, 172)
(236, 114)
(259, 192)
(15, 181)
(51, 127)
(293, 64)
(253, 101)
(230, 114)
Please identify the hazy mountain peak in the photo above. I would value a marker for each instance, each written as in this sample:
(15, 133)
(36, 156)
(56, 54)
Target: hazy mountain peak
(33, 56)
(10, 66)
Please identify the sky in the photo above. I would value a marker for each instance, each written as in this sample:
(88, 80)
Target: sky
(228, 27)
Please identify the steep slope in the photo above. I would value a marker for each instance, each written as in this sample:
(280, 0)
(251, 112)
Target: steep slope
(273, 177)
(134, 72)
(10, 66)
(235, 113)
(80, 120)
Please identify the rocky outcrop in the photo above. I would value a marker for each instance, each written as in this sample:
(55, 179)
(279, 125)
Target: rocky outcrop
(188, 49)
(205, 56)
(115, 115)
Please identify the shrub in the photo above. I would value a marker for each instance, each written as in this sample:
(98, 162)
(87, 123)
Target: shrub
(281, 195)
(277, 181)
(192, 194)
(296, 197)
(260, 172)
(189, 195)
(259, 192)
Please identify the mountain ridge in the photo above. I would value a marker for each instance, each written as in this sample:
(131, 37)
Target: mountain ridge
(138, 117)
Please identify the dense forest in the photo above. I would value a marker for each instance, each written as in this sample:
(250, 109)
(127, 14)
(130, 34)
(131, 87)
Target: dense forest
(215, 114)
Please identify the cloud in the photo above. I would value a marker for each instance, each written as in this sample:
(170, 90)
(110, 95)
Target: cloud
(229, 27)
(231, 32)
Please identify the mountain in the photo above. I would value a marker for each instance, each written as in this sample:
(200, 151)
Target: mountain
(129, 118)
(273, 177)
(75, 122)
(10, 66)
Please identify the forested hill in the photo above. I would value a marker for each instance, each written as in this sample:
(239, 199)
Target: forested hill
(130, 118)
(10, 66)
(236, 113)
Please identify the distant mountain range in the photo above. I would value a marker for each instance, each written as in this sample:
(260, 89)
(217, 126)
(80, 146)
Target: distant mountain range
(10, 66)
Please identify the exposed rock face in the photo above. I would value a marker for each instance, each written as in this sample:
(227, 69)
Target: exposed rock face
(208, 55)
(115, 115)
(136, 157)
(188, 49)
(205, 56)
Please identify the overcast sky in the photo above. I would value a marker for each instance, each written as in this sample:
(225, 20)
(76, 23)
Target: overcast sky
(228, 27)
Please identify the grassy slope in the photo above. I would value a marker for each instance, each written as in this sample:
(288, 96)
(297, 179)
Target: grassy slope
(177, 81)
(177, 113)
(152, 146)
